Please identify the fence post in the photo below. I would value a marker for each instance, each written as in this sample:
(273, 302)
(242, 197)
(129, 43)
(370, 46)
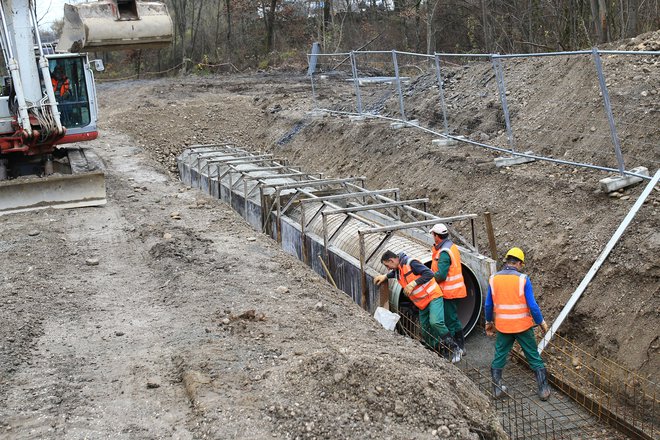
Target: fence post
(499, 77)
(608, 110)
(356, 82)
(398, 84)
(443, 106)
(311, 78)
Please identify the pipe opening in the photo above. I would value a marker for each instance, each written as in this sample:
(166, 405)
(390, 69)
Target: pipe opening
(469, 308)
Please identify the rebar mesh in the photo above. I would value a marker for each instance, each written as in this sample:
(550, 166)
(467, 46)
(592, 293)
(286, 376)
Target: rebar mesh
(521, 414)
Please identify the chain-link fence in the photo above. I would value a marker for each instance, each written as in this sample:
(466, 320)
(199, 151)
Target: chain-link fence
(594, 109)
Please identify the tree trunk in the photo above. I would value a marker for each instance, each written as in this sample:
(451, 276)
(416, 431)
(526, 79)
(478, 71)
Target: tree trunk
(602, 9)
(596, 19)
(270, 26)
(229, 27)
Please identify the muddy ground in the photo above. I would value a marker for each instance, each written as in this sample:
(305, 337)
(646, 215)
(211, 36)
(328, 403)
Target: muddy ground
(164, 315)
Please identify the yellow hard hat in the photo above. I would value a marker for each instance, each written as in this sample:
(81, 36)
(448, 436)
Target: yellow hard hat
(516, 253)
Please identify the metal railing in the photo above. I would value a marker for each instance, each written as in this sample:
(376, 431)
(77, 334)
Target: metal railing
(382, 82)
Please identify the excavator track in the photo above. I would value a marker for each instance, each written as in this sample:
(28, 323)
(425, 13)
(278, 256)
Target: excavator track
(78, 182)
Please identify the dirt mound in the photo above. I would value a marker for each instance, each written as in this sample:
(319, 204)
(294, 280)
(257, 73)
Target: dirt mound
(649, 41)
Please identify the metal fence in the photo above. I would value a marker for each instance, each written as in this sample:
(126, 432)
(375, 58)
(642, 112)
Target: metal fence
(621, 130)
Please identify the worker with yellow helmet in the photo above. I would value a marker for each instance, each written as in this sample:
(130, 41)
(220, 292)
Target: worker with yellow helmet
(511, 299)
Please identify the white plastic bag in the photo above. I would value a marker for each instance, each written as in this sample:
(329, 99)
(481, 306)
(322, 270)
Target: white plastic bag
(386, 318)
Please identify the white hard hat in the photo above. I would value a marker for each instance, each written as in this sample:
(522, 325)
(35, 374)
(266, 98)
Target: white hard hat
(439, 228)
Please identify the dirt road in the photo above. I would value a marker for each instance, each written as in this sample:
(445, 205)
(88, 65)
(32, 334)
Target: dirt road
(163, 315)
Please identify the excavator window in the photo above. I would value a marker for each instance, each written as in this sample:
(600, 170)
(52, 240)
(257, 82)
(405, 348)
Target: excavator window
(70, 87)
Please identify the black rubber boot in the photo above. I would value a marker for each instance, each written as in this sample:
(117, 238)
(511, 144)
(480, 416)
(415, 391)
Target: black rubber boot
(542, 382)
(459, 337)
(449, 349)
(498, 388)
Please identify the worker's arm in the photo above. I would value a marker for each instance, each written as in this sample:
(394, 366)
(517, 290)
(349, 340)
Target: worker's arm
(534, 308)
(444, 261)
(424, 272)
(488, 306)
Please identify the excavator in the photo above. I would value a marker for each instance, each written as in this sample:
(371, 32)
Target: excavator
(48, 98)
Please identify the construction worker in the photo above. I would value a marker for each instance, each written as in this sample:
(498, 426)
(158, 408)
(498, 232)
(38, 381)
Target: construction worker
(418, 285)
(511, 297)
(448, 273)
(60, 83)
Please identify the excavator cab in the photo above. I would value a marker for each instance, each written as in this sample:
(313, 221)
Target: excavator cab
(73, 85)
(115, 25)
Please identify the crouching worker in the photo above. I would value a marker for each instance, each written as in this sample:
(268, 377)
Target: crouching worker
(511, 297)
(419, 285)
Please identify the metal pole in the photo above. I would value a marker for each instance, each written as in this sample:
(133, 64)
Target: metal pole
(599, 261)
(356, 82)
(499, 77)
(608, 110)
(443, 106)
(363, 273)
(491, 235)
(398, 85)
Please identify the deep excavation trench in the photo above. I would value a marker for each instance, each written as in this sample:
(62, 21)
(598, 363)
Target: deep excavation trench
(552, 211)
(263, 190)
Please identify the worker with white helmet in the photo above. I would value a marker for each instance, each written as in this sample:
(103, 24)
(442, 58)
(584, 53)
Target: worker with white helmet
(511, 298)
(448, 273)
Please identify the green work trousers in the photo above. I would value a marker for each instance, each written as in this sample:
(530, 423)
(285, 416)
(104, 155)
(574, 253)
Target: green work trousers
(432, 320)
(527, 340)
(451, 316)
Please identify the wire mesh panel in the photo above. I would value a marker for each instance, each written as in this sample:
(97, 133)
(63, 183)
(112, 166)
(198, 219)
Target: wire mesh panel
(332, 83)
(377, 81)
(633, 83)
(587, 108)
(469, 82)
(552, 124)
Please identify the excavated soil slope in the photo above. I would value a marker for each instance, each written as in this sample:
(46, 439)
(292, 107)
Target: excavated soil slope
(554, 212)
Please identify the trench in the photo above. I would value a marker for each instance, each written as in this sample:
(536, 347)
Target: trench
(340, 228)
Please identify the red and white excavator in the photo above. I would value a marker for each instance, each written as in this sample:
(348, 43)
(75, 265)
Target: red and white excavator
(48, 99)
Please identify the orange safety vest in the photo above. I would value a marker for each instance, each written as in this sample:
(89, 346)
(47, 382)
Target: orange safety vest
(453, 287)
(422, 295)
(512, 314)
(64, 86)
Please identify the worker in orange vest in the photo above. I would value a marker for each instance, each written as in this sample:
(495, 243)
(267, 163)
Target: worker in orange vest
(448, 273)
(60, 82)
(511, 297)
(419, 285)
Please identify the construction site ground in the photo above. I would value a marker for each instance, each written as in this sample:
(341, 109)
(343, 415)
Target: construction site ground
(164, 315)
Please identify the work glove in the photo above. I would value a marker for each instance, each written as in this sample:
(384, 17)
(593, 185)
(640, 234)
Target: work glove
(544, 327)
(409, 288)
(380, 279)
(490, 329)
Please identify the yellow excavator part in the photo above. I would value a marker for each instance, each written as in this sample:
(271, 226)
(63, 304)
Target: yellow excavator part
(115, 25)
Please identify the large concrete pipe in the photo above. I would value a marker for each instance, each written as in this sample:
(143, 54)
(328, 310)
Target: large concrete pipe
(288, 205)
